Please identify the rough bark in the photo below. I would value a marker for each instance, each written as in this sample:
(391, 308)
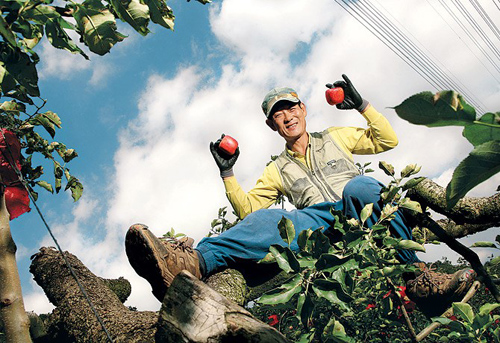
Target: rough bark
(15, 321)
(193, 312)
(73, 319)
(470, 215)
(242, 286)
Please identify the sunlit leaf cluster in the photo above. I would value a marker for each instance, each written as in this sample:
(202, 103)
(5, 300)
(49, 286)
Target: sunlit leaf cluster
(349, 272)
(23, 25)
(449, 108)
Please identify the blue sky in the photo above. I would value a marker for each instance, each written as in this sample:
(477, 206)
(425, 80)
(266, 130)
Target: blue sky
(141, 118)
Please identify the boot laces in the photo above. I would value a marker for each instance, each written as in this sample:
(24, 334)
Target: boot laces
(182, 244)
(429, 278)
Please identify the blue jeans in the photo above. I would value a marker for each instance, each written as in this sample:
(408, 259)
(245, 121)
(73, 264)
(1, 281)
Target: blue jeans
(251, 238)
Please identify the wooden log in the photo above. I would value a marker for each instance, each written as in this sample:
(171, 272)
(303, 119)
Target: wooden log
(73, 319)
(192, 312)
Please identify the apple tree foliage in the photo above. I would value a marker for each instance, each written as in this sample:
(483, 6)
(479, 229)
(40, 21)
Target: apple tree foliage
(350, 288)
(449, 108)
(23, 25)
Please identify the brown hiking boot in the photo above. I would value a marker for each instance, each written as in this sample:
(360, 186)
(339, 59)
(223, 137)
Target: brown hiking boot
(159, 261)
(434, 292)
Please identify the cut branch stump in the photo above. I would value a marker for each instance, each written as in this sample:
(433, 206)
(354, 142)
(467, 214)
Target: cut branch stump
(192, 312)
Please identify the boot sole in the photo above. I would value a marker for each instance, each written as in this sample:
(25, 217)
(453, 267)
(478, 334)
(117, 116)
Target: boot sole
(146, 253)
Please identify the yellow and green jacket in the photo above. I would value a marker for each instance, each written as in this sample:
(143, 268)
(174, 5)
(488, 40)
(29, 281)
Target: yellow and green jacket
(319, 175)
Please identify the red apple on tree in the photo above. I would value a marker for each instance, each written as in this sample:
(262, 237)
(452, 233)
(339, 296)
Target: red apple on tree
(334, 96)
(228, 145)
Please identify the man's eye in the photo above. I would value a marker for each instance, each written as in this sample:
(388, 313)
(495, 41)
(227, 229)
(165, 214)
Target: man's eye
(278, 115)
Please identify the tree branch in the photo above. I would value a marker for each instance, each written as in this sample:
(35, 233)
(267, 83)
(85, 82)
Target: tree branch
(470, 210)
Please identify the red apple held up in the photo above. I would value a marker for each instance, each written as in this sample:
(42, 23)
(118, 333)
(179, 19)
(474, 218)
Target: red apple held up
(228, 145)
(334, 96)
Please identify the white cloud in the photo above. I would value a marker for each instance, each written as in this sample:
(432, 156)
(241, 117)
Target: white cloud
(60, 63)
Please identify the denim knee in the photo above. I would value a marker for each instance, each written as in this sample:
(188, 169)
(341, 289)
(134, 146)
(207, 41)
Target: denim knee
(364, 188)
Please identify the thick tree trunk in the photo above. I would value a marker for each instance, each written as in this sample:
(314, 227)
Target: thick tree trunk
(192, 312)
(470, 215)
(12, 313)
(73, 319)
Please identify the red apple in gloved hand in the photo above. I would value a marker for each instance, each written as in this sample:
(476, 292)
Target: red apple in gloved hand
(334, 96)
(228, 145)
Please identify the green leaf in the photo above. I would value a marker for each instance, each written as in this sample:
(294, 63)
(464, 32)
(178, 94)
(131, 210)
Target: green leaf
(76, 188)
(411, 205)
(134, 12)
(305, 307)
(12, 107)
(48, 120)
(17, 72)
(443, 109)
(482, 163)
(330, 263)
(366, 212)
(332, 291)
(442, 320)
(303, 240)
(286, 229)
(410, 169)
(410, 245)
(97, 26)
(269, 258)
(389, 194)
(483, 245)
(69, 154)
(285, 258)
(45, 185)
(160, 13)
(7, 33)
(486, 128)
(60, 39)
(335, 332)
(387, 211)
(386, 167)
(487, 308)
(463, 311)
(494, 261)
(412, 183)
(284, 293)
(320, 243)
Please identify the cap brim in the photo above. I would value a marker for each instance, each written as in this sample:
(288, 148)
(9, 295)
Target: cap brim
(273, 102)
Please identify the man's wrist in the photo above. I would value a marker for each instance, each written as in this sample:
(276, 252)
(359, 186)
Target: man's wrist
(226, 173)
(364, 105)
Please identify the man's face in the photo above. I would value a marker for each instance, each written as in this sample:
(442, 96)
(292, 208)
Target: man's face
(289, 119)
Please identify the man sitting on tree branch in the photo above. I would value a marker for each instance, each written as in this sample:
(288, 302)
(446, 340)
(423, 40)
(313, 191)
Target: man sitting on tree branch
(316, 172)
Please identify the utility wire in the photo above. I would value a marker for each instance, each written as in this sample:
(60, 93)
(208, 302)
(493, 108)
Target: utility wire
(398, 44)
(486, 18)
(462, 9)
(390, 45)
(475, 41)
(496, 4)
(66, 261)
(465, 44)
(420, 56)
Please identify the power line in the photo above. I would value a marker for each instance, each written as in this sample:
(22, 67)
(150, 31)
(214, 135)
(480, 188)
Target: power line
(465, 44)
(462, 26)
(465, 13)
(417, 53)
(390, 35)
(486, 17)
